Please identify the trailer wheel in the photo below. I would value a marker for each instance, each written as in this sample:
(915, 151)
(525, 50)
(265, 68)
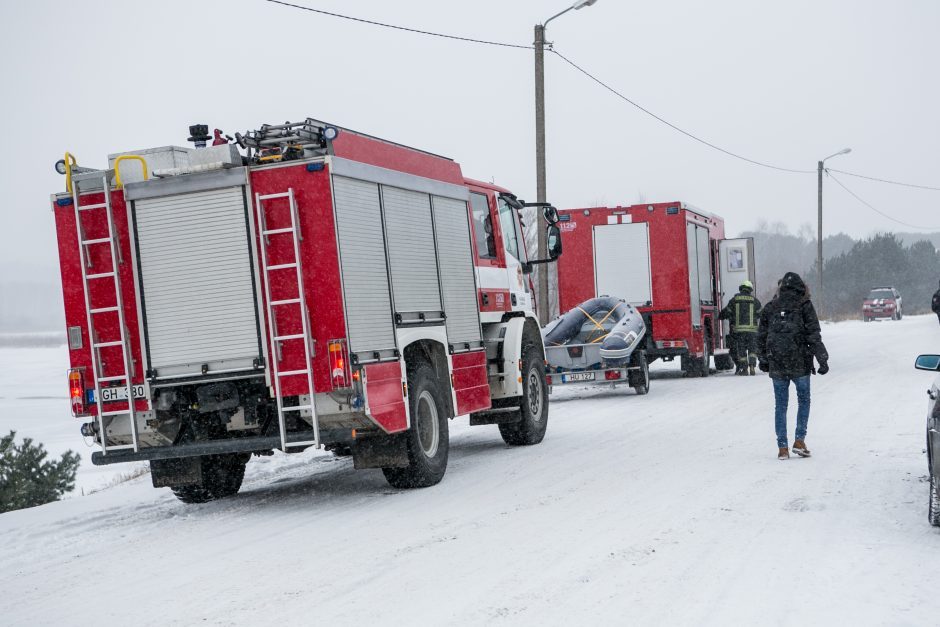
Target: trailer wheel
(640, 380)
(427, 439)
(533, 405)
(222, 476)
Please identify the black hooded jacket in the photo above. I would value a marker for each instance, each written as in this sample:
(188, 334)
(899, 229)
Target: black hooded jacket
(788, 336)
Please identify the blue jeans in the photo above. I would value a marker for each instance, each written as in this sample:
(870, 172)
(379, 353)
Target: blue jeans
(782, 397)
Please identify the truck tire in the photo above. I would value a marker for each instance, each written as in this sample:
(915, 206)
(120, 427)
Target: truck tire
(222, 476)
(724, 362)
(427, 440)
(640, 379)
(704, 364)
(530, 428)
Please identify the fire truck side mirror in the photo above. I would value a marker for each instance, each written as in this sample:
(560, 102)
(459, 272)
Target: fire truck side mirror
(553, 238)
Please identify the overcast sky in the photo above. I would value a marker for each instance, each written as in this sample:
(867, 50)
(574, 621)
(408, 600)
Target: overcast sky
(787, 83)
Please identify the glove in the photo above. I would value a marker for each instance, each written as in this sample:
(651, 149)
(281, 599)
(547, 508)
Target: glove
(823, 368)
(764, 366)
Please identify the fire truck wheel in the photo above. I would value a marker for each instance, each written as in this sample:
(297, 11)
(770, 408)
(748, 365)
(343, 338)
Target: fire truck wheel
(724, 362)
(222, 476)
(427, 439)
(705, 363)
(533, 404)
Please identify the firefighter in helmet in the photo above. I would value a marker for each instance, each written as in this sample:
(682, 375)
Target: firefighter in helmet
(743, 312)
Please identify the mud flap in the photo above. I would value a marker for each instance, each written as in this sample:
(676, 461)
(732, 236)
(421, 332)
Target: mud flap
(169, 473)
(380, 452)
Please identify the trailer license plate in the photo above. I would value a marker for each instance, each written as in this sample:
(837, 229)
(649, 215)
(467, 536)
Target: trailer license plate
(578, 376)
(109, 395)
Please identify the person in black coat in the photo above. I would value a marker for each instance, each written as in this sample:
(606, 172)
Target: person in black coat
(935, 304)
(788, 338)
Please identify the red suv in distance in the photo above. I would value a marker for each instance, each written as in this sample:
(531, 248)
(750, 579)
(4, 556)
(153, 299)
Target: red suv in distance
(882, 302)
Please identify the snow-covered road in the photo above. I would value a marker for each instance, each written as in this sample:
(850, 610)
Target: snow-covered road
(665, 509)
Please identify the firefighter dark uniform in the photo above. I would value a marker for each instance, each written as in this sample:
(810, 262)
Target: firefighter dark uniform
(743, 313)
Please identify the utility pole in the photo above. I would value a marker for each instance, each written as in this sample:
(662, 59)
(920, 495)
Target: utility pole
(542, 271)
(820, 166)
(819, 251)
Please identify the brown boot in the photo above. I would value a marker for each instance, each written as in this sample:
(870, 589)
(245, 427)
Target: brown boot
(799, 447)
(784, 453)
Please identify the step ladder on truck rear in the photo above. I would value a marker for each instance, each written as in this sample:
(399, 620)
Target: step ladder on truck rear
(110, 284)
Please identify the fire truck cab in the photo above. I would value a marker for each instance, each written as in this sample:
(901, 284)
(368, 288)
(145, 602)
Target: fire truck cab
(669, 260)
(304, 286)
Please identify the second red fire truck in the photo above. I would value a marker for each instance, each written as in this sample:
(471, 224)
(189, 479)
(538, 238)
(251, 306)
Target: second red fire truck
(304, 286)
(669, 260)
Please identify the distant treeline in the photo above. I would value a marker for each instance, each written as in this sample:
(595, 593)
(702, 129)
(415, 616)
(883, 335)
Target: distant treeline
(851, 267)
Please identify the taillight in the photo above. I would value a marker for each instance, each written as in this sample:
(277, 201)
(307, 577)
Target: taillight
(612, 375)
(671, 344)
(548, 379)
(77, 392)
(339, 373)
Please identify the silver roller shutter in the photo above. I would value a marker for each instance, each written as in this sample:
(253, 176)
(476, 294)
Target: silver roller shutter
(196, 278)
(622, 262)
(703, 250)
(364, 267)
(456, 262)
(410, 234)
(694, 300)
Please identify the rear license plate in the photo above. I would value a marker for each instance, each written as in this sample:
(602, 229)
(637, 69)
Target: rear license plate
(577, 376)
(109, 395)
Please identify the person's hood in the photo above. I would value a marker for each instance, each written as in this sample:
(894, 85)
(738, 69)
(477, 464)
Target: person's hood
(792, 287)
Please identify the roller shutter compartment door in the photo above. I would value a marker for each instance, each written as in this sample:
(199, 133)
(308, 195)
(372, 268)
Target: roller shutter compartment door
(703, 249)
(622, 262)
(363, 266)
(695, 302)
(409, 230)
(197, 282)
(455, 258)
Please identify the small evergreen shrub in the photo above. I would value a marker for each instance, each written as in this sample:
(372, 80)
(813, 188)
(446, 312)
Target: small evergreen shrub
(27, 479)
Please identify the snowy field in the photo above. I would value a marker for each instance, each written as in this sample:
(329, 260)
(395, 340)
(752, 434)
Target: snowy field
(668, 509)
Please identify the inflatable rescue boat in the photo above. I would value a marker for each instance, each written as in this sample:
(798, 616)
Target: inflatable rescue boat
(606, 330)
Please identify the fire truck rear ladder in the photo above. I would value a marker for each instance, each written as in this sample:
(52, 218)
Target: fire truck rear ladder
(298, 301)
(111, 277)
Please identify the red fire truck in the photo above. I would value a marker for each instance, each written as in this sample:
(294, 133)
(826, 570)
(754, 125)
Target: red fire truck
(671, 261)
(304, 286)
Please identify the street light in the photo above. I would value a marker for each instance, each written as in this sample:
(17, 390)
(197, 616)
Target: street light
(819, 235)
(540, 148)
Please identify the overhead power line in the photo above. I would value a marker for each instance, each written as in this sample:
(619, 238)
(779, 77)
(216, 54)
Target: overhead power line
(875, 178)
(670, 124)
(402, 28)
(875, 209)
(603, 85)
